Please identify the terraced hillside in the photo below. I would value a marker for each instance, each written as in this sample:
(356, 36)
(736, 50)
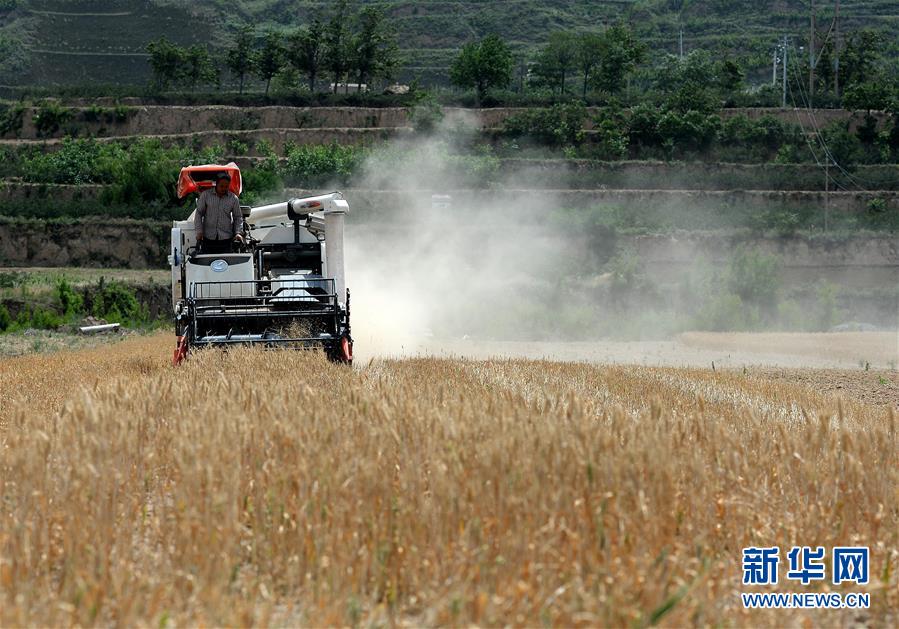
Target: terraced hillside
(75, 41)
(95, 42)
(104, 200)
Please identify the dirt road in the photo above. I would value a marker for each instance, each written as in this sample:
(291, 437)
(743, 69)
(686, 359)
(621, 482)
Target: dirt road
(694, 349)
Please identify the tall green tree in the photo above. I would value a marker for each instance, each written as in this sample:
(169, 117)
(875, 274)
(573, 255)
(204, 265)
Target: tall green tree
(338, 43)
(870, 95)
(860, 57)
(590, 50)
(731, 76)
(239, 57)
(556, 59)
(690, 84)
(306, 51)
(824, 68)
(199, 68)
(167, 62)
(622, 52)
(375, 53)
(269, 59)
(483, 65)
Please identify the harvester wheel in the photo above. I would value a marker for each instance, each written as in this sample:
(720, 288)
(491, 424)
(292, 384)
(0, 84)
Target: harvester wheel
(346, 350)
(180, 352)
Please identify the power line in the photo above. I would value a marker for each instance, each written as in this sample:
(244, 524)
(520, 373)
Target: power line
(826, 167)
(827, 150)
(820, 137)
(805, 134)
(786, 63)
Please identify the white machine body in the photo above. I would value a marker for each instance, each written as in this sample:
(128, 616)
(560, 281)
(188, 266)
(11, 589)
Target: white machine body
(282, 286)
(267, 227)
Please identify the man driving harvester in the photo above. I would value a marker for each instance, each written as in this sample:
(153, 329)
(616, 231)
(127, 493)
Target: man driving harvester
(218, 220)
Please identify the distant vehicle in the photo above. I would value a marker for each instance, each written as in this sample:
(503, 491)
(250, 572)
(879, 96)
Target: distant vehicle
(349, 87)
(396, 89)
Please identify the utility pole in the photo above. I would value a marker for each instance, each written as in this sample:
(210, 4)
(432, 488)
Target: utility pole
(774, 68)
(811, 56)
(836, 48)
(826, 191)
(784, 81)
(681, 38)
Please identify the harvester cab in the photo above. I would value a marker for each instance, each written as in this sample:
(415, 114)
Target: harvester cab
(283, 285)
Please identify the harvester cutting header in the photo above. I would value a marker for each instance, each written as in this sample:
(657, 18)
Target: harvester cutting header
(278, 280)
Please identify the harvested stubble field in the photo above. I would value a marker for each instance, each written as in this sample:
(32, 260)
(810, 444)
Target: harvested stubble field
(275, 488)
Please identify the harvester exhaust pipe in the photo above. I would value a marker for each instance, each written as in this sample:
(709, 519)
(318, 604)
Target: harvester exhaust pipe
(335, 217)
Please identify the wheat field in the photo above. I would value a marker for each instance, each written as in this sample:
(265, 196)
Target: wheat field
(274, 488)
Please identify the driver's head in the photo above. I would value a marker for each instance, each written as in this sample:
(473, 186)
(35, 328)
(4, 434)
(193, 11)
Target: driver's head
(222, 182)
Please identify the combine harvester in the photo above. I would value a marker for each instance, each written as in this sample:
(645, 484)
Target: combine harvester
(283, 286)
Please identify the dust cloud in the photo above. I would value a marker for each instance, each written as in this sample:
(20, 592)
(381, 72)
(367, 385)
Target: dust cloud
(439, 261)
(439, 264)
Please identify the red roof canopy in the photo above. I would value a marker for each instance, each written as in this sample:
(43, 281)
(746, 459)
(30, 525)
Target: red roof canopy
(199, 178)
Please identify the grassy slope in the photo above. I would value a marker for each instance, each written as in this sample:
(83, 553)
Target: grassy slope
(109, 47)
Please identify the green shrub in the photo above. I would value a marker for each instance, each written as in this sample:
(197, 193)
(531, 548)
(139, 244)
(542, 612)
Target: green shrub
(780, 221)
(827, 312)
(878, 215)
(426, 113)
(117, 303)
(628, 278)
(38, 317)
(11, 119)
(610, 140)
(726, 312)
(689, 131)
(754, 277)
(747, 140)
(312, 165)
(557, 126)
(844, 146)
(147, 170)
(97, 113)
(265, 149)
(643, 126)
(260, 180)
(70, 301)
(236, 146)
(75, 162)
(63, 211)
(741, 297)
(792, 316)
(50, 117)
(792, 153)
(137, 173)
(45, 319)
(11, 279)
(121, 113)
(477, 169)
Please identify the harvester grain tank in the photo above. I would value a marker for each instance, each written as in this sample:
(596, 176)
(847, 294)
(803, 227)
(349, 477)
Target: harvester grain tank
(283, 284)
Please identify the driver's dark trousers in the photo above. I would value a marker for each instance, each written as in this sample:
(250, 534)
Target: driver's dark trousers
(208, 245)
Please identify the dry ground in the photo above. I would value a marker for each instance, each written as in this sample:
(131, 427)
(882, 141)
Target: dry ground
(253, 488)
(874, 348)
(49, 341)
(84, 275)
